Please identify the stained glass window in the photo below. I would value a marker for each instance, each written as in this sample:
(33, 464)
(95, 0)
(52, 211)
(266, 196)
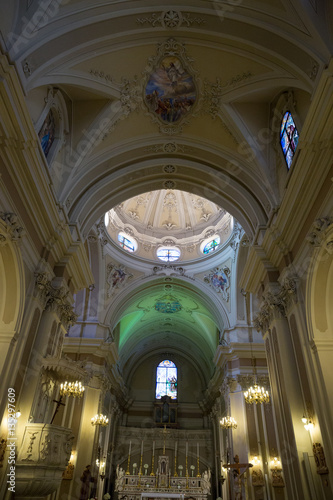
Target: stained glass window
(288, 137)
(47, 133)
(127, 243)
(168, 254)
(166, 380)
(211, 245)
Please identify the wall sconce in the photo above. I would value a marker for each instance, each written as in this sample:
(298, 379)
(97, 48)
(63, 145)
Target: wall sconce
(223, 473)
(256, 461)
(308, 424)
(102, 469)
(275, 463)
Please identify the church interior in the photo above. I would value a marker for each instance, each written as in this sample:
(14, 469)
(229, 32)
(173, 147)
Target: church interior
(166, 250)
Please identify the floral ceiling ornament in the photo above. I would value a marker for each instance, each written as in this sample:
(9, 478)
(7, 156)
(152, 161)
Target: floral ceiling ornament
(170, 19)
(116, 277)
(219, 280)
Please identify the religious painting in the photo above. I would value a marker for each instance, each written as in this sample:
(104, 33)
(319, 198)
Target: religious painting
(168, 305)
(170, 92)
(47, 133)
(219, 280)
(116, 276)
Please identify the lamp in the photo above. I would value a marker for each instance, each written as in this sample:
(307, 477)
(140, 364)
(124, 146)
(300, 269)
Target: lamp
(100, 420)
(275, 463)
(102, 469)
(255, 394)
(74, 389)
(228, 423)
(308, 424)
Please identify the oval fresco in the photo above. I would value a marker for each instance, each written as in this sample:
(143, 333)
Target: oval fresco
(170, 91)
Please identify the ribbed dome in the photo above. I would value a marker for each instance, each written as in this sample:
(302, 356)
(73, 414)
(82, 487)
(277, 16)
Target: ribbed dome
(171, 218)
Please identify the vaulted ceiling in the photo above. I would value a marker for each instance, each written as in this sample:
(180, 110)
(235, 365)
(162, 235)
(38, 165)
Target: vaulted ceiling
(227, 60)
(240, 56)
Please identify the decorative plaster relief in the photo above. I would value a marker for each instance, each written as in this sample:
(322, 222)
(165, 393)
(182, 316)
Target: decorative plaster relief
(277, 302)
(14, 229)
(317, 234)
(171, 19)
(56, 298)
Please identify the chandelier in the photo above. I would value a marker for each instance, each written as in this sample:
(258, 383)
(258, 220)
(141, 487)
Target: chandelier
(100, 420)
(256, 395)
(74, 389)
(228, 423)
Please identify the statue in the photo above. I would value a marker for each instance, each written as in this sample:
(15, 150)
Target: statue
(120, 473)
(86, 479)
(319, 456)
(206, 476)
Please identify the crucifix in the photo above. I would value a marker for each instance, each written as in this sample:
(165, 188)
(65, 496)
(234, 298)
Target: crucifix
(59, 403)
(165, 433)
(236, 467)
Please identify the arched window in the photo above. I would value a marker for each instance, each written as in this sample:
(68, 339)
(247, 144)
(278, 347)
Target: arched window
(288, 137)
(168, 254)
(166, 380)
(211, 245)
(127, 243)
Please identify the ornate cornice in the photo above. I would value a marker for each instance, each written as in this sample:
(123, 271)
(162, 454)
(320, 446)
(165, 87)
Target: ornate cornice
(55, 298)
(318, 230)
(14, 230)
(277, 302)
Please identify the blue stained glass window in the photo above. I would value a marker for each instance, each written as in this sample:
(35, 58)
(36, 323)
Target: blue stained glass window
(47, 133)
(168, 254)
(126, 243)
(288, 137)
(211, 245)
(166, 380)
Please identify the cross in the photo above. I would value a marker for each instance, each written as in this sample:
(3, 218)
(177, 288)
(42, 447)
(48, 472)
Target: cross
(237, 466)
(165, 433)
(59, 403)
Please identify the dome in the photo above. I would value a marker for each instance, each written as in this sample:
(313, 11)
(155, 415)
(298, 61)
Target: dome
(169, 219)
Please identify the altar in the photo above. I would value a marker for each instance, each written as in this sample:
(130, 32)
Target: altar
(162, 483)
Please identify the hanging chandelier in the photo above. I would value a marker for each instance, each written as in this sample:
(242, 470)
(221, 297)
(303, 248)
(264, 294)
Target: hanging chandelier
(256, 394)
(100, 420)
(228, 423)
(75, 389)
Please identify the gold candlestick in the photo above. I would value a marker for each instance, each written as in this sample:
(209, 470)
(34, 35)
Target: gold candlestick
(152, 466)
(198, 470)
(175, 473)
(128, 465)
(186, 473)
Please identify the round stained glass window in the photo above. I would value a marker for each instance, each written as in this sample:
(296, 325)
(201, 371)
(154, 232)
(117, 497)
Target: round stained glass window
(168, 254)
(127, 243)
(211, 245)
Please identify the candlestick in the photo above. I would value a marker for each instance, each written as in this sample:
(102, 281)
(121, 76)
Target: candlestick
(129, 460)
(197, 449)
(141, 447)
(152, 460)
(175, 472)
(176, 448)
(186, 448)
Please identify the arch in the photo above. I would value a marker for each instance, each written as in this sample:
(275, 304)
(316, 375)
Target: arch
(239, 191)
(11, 302)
